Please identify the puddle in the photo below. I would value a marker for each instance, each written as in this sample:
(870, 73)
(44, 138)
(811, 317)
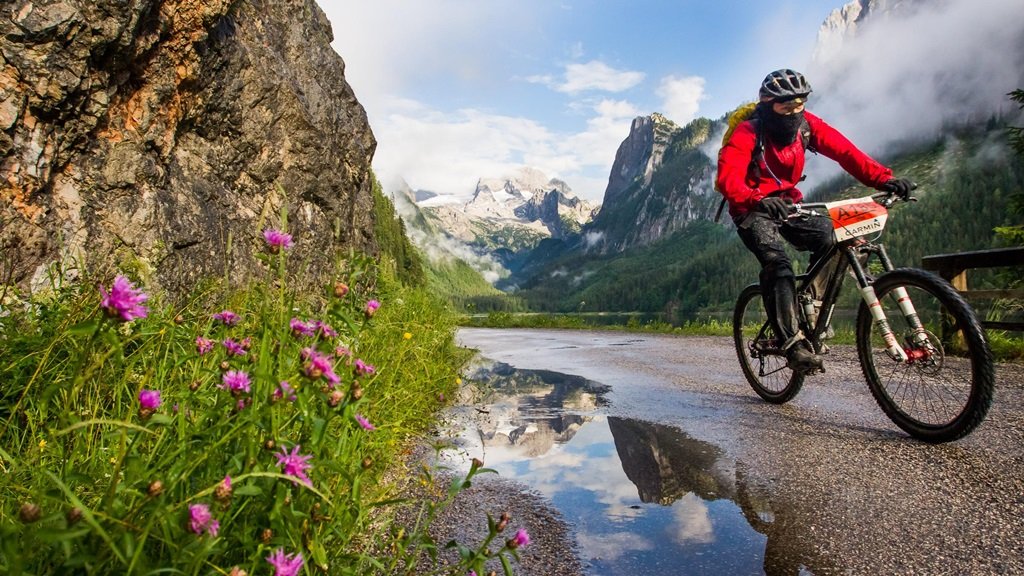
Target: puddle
(642, 498)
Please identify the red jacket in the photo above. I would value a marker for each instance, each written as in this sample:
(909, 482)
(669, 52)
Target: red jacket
(787, 164)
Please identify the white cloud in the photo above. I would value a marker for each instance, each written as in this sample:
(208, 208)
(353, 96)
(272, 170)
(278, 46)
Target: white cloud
(892, 82)
(596, 75)
(681, 97)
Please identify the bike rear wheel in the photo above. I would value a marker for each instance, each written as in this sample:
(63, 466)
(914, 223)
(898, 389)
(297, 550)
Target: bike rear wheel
(759, 350)
(944, 390)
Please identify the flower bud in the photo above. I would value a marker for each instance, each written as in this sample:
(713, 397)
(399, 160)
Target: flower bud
(194, 385)
(236, 571)
(266, 535)
(503, 522)
(224, 366)
(29, 512)
(73, 516)
(223, 490)
(155, 489)
(340, 289)
(269, 444)
(357, 392)
(179, 319)
(477, 463)
(367, 462)
(335, 398)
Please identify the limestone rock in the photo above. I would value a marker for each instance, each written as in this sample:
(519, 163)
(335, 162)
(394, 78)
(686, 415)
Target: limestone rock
(164, 135)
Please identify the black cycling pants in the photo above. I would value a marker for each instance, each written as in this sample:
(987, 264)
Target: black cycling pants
(763, 236)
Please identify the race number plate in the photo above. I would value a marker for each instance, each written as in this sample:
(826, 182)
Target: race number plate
(856, 217)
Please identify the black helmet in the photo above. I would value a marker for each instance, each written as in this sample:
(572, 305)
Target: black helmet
(783, 85)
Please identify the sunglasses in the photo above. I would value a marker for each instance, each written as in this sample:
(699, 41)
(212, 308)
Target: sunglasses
(789, 99)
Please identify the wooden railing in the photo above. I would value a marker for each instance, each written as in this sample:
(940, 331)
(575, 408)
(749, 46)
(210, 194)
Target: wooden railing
(954, 267)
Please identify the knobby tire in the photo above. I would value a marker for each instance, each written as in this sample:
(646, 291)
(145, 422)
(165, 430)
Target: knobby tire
(946, 395)
(768, 375)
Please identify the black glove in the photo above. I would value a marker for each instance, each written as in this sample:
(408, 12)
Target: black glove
(899, 186)
(775, 207)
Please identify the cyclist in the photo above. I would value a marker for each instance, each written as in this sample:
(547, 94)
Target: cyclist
(758, 171)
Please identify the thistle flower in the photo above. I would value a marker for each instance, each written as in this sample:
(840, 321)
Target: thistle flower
(203, 345)
(124, 300)
(323, 330)
(149, 399)
(295, 464)
(364, 422)
(300, 328)
(235, 381)
(233, 348)
(228, 317)
(364, 369)
(284, 390)
(520, 540)
(277, 240)
(319, 365)
(340, 289)
(371, 307)
(285, 564)
(200, 520)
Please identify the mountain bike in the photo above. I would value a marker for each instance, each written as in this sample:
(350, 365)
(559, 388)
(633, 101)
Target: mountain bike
(920, 346)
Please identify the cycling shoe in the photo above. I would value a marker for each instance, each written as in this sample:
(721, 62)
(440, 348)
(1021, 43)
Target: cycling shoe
(800, 359)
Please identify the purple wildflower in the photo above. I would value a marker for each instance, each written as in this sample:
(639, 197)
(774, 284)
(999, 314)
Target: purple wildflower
(124, 300)
(284, 390)
(149, 399)
(295, 464)
(319, 365)
(200, 520)
(520, 540)
(323, 330)
(228, 317)
(203, 345)
(364, 369)
(300, 328)
(365, 423)
(371, 307)
(285, 565)
(233, 347)
(342, 351)
(235, 381)
(276, 240)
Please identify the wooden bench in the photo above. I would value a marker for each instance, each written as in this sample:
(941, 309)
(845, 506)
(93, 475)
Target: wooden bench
(954, 267)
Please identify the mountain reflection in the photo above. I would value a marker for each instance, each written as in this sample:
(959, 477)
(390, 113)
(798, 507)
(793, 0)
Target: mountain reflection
(666, 464)
(642, 497)
(532, 410)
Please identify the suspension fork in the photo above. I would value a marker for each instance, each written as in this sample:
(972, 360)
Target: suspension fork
(867, 292)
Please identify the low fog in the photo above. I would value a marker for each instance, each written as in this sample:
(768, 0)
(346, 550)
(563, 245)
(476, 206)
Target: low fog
(904, 76)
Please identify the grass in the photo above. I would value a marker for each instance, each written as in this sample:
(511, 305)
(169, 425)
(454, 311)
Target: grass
(138, 437)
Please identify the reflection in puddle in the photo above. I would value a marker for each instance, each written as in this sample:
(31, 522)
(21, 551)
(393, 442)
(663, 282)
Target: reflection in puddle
(642, 498)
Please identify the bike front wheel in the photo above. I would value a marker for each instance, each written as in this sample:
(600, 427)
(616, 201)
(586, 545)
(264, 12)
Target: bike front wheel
(943, 390)
(759, 350)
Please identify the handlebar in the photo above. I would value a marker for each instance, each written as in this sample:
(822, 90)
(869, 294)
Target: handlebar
(887, 199)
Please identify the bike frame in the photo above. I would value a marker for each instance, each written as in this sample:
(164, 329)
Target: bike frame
(852, 254)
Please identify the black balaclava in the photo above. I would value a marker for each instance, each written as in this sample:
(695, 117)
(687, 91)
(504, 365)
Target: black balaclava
(781, 129)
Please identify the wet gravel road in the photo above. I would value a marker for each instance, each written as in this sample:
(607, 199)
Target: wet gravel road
(849, 493)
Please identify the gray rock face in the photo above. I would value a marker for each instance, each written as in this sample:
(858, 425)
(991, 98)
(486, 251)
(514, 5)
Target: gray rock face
(165, 135)
(660, 182)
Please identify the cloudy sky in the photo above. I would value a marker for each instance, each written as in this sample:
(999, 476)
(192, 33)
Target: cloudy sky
(457, 90)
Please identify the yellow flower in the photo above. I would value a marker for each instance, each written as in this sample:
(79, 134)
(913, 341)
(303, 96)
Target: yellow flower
(113, 460)
(42, 443)
(407, 335)
(458, 381)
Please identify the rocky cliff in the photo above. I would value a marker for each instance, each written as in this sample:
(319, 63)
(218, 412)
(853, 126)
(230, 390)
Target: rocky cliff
(163, 135)
(659, 182)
